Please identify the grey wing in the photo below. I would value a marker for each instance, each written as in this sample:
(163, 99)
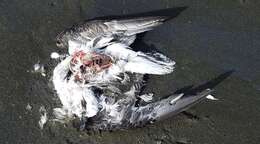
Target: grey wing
(132, 116)
(100, 33)
(135, 25)
(165, 108)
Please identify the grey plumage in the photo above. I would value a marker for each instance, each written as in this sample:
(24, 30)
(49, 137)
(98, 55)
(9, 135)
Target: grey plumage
(100, 33)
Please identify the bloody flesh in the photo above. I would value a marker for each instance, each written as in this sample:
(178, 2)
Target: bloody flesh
(84, 65)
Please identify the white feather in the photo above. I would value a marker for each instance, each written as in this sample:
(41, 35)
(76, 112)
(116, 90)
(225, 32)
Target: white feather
(139, 62)
(77, 46)
(55, 55)
(43, 118)
(73, 94)
(147, 97)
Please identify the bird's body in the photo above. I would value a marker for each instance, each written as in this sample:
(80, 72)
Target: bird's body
(106, 75)
(114, 105)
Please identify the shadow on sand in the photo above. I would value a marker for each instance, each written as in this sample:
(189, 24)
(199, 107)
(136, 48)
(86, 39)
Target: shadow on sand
(190, 90)
(170, 13)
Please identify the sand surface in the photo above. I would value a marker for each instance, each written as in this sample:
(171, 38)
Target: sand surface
(207, 40)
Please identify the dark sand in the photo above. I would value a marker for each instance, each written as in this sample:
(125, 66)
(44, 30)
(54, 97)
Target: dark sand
(207, 39)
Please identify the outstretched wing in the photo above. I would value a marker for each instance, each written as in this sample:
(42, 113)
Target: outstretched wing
(129, 115)
(100, 33)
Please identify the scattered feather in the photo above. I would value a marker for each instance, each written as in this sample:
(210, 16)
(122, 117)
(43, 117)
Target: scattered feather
(43, 118)
(39, 68)
(55, 55)
(28, 107)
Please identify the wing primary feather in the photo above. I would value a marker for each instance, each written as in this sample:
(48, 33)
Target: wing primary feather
(135, 25)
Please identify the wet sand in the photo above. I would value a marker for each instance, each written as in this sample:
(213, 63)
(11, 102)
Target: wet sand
(207, 39)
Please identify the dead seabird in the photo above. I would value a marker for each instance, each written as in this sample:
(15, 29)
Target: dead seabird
(95, 92)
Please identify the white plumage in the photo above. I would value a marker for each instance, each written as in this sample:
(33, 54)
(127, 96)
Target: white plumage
(72, 94)
(139, 62)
